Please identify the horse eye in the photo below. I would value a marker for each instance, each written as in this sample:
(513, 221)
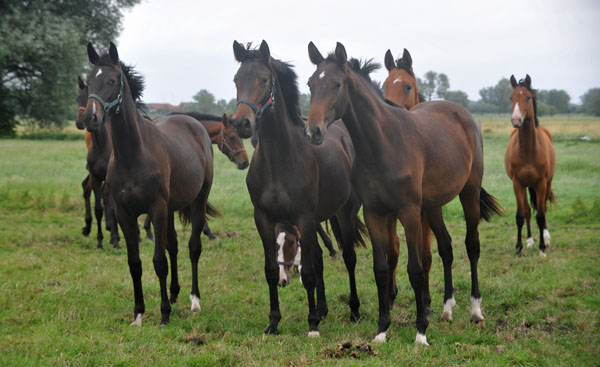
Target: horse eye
(111, 82)
(264, 80)
(408, 87)
(337, 85)
(528, 98)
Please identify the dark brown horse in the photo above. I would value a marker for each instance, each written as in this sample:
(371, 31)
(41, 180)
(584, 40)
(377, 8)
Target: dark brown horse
(530, 162)
(291, 182)
(156, 168)
(400, 86)
(408, 165)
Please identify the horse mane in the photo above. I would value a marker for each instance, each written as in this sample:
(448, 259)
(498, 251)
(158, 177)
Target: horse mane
(288, 82)
(134, 79)
(421, 97)
(199, 116)
(534, 98)
(401, 65)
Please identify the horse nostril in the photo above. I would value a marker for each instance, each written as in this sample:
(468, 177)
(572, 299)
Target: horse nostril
(246, 123)
(317, 135)
(243, 165)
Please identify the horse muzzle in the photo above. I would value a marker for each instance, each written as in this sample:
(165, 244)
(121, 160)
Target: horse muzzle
(314, 134)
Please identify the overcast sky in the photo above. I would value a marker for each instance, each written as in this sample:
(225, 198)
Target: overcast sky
(183, 46)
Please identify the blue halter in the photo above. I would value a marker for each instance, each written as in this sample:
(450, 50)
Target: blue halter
(107, 106)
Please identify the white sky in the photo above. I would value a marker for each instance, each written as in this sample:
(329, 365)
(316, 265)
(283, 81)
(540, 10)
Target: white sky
(183, 46)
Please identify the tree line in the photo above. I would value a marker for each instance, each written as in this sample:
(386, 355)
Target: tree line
(42, 49)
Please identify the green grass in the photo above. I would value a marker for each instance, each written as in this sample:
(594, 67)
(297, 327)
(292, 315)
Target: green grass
(65, 303)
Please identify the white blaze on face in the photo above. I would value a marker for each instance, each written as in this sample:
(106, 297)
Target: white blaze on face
(397, 80)
(94, 107)
(516, 115)
(98, 73)
(322, 75)
(281, 242)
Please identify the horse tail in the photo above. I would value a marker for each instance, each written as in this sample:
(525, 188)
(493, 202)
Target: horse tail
(185, 214)
(212, 211)
(533, 198)
(360, 231)
(488, 205)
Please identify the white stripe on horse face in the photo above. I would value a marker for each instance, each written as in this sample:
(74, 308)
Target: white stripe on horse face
(99, 72)
(516, 112)
(397, 80)
(94, 107)
(281, 242)
(322, 75)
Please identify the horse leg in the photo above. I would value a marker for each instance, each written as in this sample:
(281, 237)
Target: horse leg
(426, 260)
(540, 217)
(173, 249)
(98, 209)
(469, 199)
(410, 217)
(436, 222)
(527, 211)
(128, 225)
(198, 218)
(110, 219)
(378, 227)
(148, 228)
(159, 214)
(266, 230)
(326, 240)
(393, 248)
(520, 217)
(87, 192)
(207, 232)
(312, 273)
(348, 231)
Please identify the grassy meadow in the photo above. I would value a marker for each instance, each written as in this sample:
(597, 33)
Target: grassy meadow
(64, 303)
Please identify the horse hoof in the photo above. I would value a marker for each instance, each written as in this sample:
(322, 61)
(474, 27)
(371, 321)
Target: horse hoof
(355, 317)
(447, 316)
(421, 339)
(195, 303)
(380, 338)
(85, 231)
(478, 322)
(543, 254)
(313, 334)
(333, 255)
(271, 330)
(529, 242)
(137, 321)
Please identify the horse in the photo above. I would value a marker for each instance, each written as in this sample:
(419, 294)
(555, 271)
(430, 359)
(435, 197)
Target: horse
(157, 168)
(408, 165)
(530, 162)
(292, 182)
(223, 135)
(400, 86)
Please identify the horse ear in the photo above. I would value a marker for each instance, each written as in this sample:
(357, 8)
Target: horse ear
(265, 53)
(297, 232)
(225, 120)
(528, 81)
(239, 51)
(407, 59)
(92, 54)
(80, 83)
(340, 54)
(513, 81)
(113, 54)
(389, 60)
(313, 54)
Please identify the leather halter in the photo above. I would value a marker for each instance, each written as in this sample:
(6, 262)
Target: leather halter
(107, 106)
(224, 143)
(258, 112)
(291, 262)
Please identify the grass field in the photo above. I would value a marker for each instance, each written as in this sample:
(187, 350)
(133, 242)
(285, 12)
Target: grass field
(66, 304)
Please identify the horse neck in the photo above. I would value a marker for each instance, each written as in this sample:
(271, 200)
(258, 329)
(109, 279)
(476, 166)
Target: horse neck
(125, 131)
(414, 97)
(214, 130)
(276, 133)
(361, 119)
(527, 138)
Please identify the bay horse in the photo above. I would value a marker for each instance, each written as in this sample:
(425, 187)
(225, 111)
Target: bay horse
(400, 86)
(408, 165)
(293, 183)
(530, 162)
(156, 168)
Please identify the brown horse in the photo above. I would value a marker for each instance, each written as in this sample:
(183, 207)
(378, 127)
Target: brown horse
(530, 162)
(408, 165)
(156, 168)
(400, 86)
(291, 182)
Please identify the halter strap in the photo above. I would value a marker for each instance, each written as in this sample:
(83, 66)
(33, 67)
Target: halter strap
(291, 262)
(258, 112)
(225, 144)
(107, 106)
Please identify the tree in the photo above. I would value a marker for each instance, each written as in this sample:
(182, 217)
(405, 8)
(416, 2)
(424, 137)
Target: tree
(442, 84)
(433, 84)
(591, 101)
(205, 102)
(304, 103)
(554, 97)
(43, 50)
(497, 96)
(457, 96)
